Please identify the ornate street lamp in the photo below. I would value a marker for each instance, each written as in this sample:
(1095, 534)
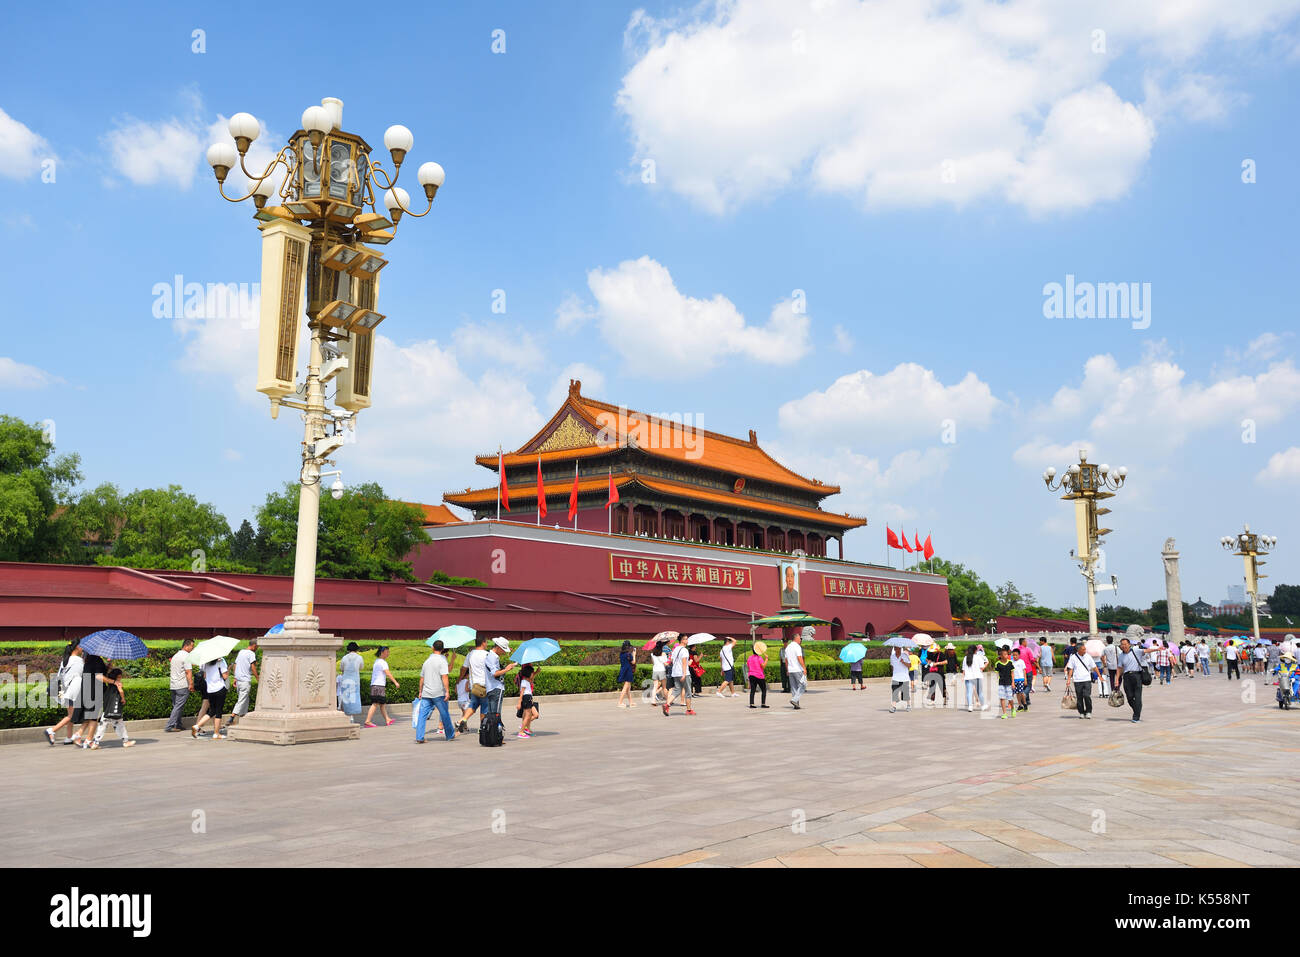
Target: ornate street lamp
(1086, 484)
(315, 207)
(1250, 546)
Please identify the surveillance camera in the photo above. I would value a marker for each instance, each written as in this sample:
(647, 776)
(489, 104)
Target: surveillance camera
(336, 490)
(325, 446)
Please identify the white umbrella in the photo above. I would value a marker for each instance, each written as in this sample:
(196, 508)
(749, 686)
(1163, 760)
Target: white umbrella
(1003, 643)
(212, 649)
(925, 641)
(701, 638)
(1094, 646)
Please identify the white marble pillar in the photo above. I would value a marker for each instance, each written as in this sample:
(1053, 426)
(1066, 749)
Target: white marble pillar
(1173, 591)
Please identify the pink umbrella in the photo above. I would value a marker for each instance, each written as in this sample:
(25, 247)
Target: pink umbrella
(1094, 646)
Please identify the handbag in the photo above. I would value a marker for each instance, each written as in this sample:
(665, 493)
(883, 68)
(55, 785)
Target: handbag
(1069, 702)
(1117, 699)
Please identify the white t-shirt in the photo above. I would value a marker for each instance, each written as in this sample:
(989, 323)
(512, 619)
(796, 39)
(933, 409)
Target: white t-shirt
(180, 665)
(462, 690)
(1190, 653)
(794, 657)
(379, 673)
(71, 691)
(971, 671)
(1203, 650)
(476, 662)
(1017, 669)
(212, 674)
(525, 686)
(244, 664)
(728, 658)
(681, 654)
(898, 668)
(1232, 653)
(434, 667)
(1081, 667)
(659, 663)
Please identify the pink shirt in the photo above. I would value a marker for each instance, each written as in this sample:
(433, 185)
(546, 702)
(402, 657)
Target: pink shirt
(754, 666)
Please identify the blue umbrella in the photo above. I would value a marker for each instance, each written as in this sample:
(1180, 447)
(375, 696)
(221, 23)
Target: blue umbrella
(275, 629)
(535, 649)
(898, 641)
(114, 645)
(855, 651)
(452, 636)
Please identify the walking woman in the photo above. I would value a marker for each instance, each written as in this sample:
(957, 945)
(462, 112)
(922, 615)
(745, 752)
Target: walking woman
(379, 676)
(528, 707)
(951, 668)
(658, 674)
(69, 692)
(972, 669)
(214, 680)
(755, 668)
(626, 674)
(350, 681)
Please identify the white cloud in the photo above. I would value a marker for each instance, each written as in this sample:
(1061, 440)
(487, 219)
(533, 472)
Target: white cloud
(1040, 453)
(149, 153)
(908, 402)
(593, 383)
(1198, 97)
(843, 339)
(21, 150)
(659, 330)
(18, 375)
(220, 337)
(905, 103)
(1152, 405)
(499, 342)
(573, 313)
(1282, 467)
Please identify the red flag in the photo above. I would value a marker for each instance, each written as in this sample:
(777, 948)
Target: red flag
(907, 547)
(505, 489)
(918, 547)
(573, 496)
(890, 538)
(541, 495)
(929, 549)
(613, 492)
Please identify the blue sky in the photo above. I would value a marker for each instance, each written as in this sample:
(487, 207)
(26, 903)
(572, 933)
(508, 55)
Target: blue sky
(915, 180)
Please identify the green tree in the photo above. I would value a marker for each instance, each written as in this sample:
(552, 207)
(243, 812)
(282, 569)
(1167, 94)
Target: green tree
(1285, 600)
(166, 528)
(1011, 599)
(361, 535)
(243, 545)
(1159, 613)
(35, 488)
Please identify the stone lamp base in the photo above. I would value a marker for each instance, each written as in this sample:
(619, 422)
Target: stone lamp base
(295, 689)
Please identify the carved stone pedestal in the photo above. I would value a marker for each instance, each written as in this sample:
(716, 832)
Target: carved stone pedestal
(295, 689)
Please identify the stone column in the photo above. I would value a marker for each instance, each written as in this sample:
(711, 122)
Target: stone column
(1173, 591)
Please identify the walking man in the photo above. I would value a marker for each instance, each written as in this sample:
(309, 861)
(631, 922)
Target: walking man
(1083, 670)
(794, 666)
(681, 675)
(1203, 652)
(475, 669)
(245, 672)
(1231, 654)
(496, 687)
(1163, 661)
(433, 693)
(1110, 660)
(1045, 664)
(1132, 663)
(182, 683)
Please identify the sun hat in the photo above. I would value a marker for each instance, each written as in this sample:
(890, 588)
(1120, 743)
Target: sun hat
(501, 643)
(949, 645)
(760, 648)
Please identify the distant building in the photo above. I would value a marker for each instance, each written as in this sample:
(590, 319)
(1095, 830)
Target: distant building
(1201, 608)
(1236, 595)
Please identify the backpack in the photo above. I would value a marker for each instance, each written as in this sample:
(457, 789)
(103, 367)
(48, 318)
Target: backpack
(490, 734)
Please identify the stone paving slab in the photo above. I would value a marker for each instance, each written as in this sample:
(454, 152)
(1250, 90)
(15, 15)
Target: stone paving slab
(1205, 780)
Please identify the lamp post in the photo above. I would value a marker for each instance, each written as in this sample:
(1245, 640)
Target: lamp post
(311, 207)
(1087, 484)
(1250, 546)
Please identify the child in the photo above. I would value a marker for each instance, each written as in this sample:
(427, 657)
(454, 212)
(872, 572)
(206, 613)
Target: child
(114, 702)
(913, 670)
(380, 675)
(1018, 672)
(697, 670)
(658, 674)
(1006, 669)
(528, 706)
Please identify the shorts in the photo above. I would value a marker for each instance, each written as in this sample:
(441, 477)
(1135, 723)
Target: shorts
(216, 702)
(729, 675)
(1047, 671)
(379, 694)
(1005, 693)
(657, 674)
(475, 702)
(527, 704)
(913, 674)
(1019, 685)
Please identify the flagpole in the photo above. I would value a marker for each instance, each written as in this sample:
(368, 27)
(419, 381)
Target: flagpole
(539, 489)
(575, 488)
(500, 478)
(609, 509)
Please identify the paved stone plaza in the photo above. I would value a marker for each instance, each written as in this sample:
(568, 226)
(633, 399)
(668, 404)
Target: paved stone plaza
(1205, 779)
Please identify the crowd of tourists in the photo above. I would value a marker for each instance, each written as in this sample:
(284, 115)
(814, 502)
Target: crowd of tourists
(90, 689)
